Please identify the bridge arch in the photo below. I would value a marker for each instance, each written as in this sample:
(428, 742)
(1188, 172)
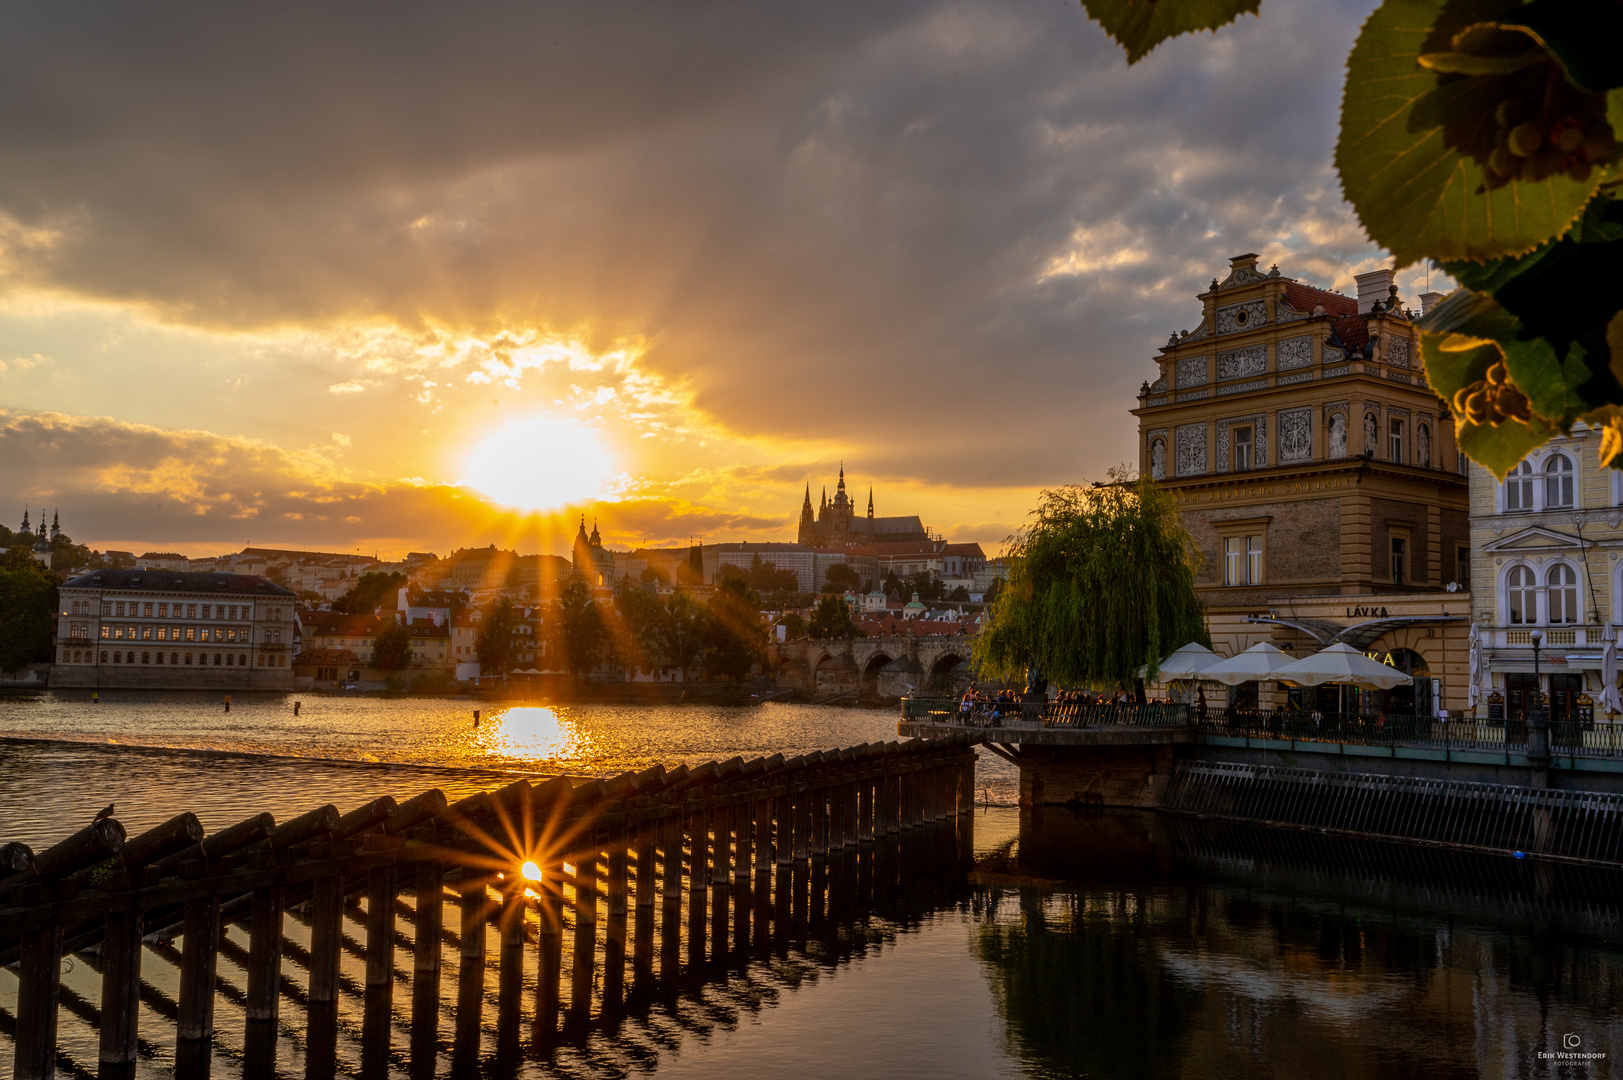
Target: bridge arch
(940, 675)
(871, 668)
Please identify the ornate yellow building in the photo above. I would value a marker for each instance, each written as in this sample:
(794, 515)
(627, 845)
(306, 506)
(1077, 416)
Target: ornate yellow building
(1317, 473)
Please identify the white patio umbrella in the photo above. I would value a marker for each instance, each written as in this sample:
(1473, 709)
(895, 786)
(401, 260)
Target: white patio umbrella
(1341, 663)
(1608, 672)
(1257, 663)
(1185, 663)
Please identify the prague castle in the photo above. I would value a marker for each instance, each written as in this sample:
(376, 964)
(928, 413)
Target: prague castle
(836, 524)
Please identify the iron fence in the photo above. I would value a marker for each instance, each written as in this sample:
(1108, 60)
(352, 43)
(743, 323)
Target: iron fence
(946, 710)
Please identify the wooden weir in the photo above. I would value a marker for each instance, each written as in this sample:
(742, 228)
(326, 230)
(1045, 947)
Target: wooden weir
(648, 878)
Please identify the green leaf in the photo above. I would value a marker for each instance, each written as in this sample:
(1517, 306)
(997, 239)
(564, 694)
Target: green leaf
(1499, 449)
(1453, 63)
(1415, 195)
(1140, 25)
(1583, 38)
(1467, 320)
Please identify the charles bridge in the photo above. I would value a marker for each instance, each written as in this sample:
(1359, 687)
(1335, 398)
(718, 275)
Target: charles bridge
(880, 667)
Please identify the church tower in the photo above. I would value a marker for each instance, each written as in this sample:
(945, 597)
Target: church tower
(56, 525)
(27, 528)
(870, 509)
(808, 524)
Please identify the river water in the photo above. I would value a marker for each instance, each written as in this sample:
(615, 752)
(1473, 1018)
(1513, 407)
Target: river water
(1101, 945)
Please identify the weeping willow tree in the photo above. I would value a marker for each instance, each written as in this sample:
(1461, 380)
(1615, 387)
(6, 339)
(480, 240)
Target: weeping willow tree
(1101, 584)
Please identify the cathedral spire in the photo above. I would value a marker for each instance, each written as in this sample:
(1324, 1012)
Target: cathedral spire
(26, 527)
(56, 524)
(870, 502)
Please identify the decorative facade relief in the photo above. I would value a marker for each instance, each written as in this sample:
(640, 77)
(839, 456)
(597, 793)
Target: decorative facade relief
(1372, 433)
(1158, 459)
(1193, 395)
(1333, 355)
(1422, 446)
(1398, 376)
(1296, 434)
(1242, 363)
(1192, 371)
(1191, 450)
(1300, 376)
(1296, 352)
(1259, 440)
(1247, 316)
(1283, 312)
(1397, 351)
(1335, 422)
(1242, 275)
(1159, 384)
(1240, 388)
(1335, 372)
(1154, 401)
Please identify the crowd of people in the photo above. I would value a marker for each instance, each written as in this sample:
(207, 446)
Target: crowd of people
(976, 706)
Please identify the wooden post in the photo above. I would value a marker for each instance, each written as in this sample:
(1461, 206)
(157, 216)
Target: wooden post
(326, 929)
(199, 953)
(698, 878)
(670, 947)
(376, 1022)
(472, 904)
(39, 981)
(580, 1004)
(765, 858)
(120, 989)
(642, 930)
(550, 909)
(802, 821)
(614, 939)
(721, 876)
(427, 923)
(510, 970)
(265, 955)
(743, 822)
(865, 811)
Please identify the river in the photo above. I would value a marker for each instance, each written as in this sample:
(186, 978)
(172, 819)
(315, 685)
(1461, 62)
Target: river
(1103, 945)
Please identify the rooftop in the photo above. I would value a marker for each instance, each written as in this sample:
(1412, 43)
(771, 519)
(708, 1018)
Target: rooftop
(178, 581)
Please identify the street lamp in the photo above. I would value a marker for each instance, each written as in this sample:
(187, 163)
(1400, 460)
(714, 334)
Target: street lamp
(1538, 725)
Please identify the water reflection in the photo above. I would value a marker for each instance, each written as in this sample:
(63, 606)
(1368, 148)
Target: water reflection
(532, 733)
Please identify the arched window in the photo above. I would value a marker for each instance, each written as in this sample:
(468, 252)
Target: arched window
(1521, 597)
(1563, 593)
(146, 658)
(188, 658)
(1558, 482)
(242, 659)
(118, 658)
(174, 658)
(1519, 488)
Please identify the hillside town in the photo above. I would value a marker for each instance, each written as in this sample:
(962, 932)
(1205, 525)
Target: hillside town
(485, 617)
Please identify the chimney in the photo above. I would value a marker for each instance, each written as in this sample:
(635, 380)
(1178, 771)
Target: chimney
(1429, 300)
(1373, 286)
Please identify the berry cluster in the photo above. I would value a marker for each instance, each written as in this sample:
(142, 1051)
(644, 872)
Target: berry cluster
(1493, 400)
(1561, 131)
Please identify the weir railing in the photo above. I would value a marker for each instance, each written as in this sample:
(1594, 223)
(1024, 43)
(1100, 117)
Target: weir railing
(640, 882)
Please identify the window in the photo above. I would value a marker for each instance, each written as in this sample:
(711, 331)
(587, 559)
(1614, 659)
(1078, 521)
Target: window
(106, 608)
(1400, 559)
(1563, 593)
(106, 632)
(1520, 596)
(118, 609)
(1557, 482)
(191, 613)
(163, 611)
(1394, 440)
(232, 613)
(146, 611)
(1243, 456)
(1460, 462)
(1462, 565)
(1519, 488)
(1242, 560)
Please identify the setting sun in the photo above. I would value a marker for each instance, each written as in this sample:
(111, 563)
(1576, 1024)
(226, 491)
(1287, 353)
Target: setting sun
(540, 463)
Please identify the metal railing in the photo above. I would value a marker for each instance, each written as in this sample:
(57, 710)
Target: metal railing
(946, 710)
(1568, 738)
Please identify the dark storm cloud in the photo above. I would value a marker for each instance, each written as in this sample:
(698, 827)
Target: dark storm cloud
(837, 220)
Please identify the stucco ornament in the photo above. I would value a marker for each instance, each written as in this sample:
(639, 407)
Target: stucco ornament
(1296, 435)
(1191, 450)
(1338, 435)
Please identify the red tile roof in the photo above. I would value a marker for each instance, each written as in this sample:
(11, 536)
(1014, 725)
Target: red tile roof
(1353, 332)
(1303, 298)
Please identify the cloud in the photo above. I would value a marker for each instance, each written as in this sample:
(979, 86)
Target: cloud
(945, 235)
(125, 484)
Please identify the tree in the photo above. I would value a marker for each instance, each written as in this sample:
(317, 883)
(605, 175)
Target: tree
(841, 578)
(1101, 584)
(574, 627)
(27, 610)
(637, 612)
(494, 643)
(832, 619)
(735, 638)
(960, 593)
(368, 592)
(680, 632)
(391, 649)
(794, 626)
(1483, 135)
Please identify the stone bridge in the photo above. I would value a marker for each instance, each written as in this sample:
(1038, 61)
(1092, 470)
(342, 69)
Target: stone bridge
(881, 667)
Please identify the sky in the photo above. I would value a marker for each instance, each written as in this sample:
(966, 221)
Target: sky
(401, 276)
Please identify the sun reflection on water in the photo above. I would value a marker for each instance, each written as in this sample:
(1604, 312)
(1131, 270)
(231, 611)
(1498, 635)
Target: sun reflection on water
(532, 733)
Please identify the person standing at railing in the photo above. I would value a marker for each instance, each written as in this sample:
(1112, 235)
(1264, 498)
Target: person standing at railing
(1200, 705)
